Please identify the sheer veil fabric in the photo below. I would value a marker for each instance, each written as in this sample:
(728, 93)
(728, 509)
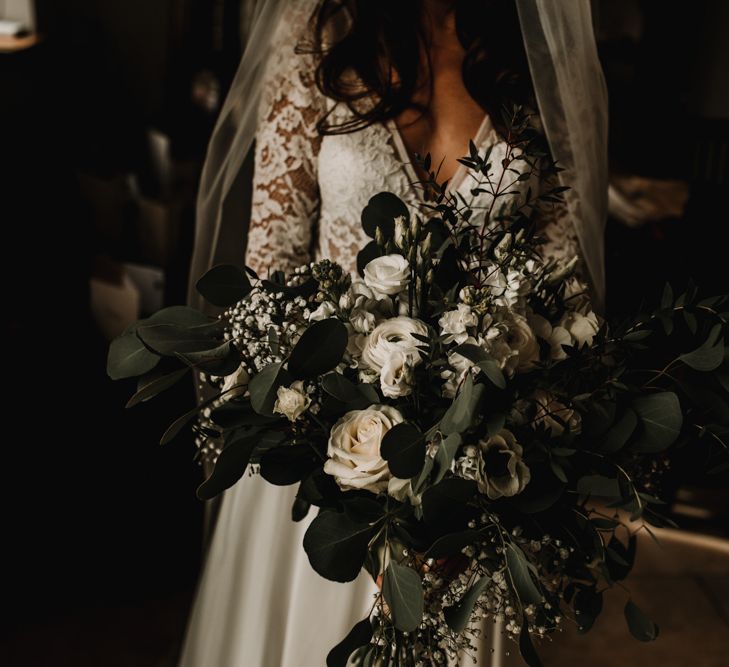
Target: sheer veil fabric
(570, 90)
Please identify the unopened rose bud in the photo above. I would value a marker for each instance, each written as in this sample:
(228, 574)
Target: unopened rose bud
(401, 231)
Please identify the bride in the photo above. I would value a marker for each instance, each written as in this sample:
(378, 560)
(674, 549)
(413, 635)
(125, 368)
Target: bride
(350, 91)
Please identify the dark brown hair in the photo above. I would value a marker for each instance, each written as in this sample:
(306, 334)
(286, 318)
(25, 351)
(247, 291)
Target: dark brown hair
(386, 37)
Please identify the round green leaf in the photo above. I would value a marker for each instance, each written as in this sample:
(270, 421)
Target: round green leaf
(263, 387)
(337, 546)
(381, 211)
(403, 592)
(128, 357)
(224, 285)
(319, 349)
(156, 385)
(662, 419)
(359, 635)
(229, 467)
(403, 447)
(170, 339)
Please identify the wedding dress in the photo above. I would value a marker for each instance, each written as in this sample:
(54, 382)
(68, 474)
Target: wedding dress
(259, 603)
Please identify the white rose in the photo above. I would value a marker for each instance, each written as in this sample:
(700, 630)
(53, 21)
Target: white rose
(387, 275)
(291, 401)
(575, 329)
(501, 471)
(554, 414)
(236, 383)
(454, 323)
(396, 376)
(354, 448)
(522, 340)
(390, 336)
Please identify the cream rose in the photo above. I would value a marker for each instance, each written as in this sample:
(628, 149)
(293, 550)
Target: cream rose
(291, 401)
(554, 414)
(387, 275)
(454, 323)
(354, 448)
(501, 471)
(575, 329)
(521, 339)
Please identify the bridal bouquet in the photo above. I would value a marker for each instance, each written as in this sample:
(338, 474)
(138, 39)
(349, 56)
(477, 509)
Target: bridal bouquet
(469, 430)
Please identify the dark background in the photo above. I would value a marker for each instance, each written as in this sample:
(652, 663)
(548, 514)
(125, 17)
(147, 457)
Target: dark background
(102, 532)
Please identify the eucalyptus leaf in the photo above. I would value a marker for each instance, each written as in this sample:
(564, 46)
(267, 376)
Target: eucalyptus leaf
(263, 387)
(445, 453)
(155, 386)
(403, 592)
(640, 626)
(181, 316)
(458, 615)
(709, 356)
(319, 349)
(521, 578)
(224, 285)
(229, 468)
(661, 416)
(336, 545)
(360, 635)
(619, 434)
(598, 485)
(128, 357)
(463, 410)
(403, 447)
(526, 646)
(452, 543)
(381, 211)
(170, 339)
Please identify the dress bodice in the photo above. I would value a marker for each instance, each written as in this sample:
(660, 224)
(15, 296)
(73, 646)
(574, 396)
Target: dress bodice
(309, 190)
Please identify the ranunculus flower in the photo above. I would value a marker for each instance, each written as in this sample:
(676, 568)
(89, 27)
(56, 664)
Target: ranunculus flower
(354, 448)
(391, 351)
(501, 471)
(291, 401)
(454, 323)
(550, 411)
(387, 275)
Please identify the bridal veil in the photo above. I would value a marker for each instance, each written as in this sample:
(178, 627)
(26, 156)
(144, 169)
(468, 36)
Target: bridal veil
(570, 91)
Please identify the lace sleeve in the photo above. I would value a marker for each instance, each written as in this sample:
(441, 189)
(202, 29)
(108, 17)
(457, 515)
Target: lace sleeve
(285, 200)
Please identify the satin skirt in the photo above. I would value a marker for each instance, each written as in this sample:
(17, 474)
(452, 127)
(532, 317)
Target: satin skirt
(259, 602)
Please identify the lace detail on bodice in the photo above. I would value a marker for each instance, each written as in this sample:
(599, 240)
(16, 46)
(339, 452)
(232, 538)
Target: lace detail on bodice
(309, 191)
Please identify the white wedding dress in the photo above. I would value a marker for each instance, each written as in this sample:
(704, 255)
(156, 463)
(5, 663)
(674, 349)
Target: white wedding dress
(259, 603)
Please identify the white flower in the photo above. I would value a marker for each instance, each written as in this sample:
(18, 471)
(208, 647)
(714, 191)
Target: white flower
(454, 323)
(325, 310)
(554, 414)
(236, 383)
(362, 320)
(522, 340)
(501, 471)
(354, 448)
(396, 375)
(575, 329)
(291, 401)
(390, 336)
(387, 275)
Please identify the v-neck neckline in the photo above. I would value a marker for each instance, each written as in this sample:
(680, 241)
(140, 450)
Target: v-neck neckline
(406, 160)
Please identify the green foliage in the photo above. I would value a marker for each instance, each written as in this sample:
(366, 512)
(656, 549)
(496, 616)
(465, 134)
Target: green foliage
(224, 285)
(403, 592)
